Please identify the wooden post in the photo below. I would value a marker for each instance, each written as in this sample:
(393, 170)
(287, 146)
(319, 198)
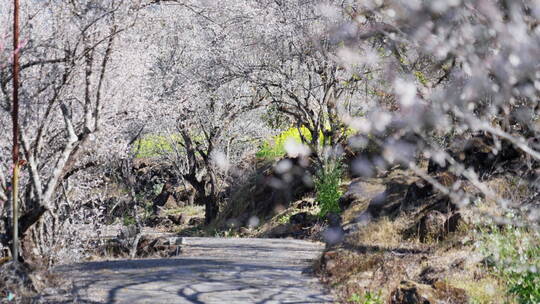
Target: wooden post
(15, 121)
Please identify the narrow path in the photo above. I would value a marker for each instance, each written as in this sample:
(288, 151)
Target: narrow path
(210, 270)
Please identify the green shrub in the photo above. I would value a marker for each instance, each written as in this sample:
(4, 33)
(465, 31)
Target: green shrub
(129, 220)
(155, 145)
(327, 186)
(276, 146)
(367, 298)
(514, 256)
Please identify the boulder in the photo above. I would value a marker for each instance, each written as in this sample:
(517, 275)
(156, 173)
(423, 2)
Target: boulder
(409, 292)
(417, 192)
(184, 194)
(355, 194)
(166, 198)
(160, 246)
(333, 219)
(430, 275)
(435, 225)
(196, 221)
(306, 204)
(303, 219)
(160, 220)
(431, 226)
(480, 153)
(178, 219)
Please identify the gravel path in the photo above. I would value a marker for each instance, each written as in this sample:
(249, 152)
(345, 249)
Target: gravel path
(209, 270)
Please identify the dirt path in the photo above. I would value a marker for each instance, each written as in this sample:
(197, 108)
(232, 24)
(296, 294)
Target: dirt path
(209, 270)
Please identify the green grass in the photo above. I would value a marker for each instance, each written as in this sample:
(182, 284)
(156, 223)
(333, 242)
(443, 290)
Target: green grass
(480, 291)
(513, 255)
(367, 298)
(327, 186)
(129, 220)
(284, 218)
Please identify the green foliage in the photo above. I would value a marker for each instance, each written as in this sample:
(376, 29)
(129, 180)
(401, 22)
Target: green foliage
(284, 219)
(155, 145)
(514, 257)
(327, 186)
(276, 146)
(129, 220)
(421, 77)
(157, 188)
(367, 298)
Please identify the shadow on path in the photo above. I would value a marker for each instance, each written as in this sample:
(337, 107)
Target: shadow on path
(212, 271)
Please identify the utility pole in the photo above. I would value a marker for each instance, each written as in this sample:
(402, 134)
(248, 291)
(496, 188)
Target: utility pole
(15, 122)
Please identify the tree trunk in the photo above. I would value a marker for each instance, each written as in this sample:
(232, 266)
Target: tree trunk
(211, 208)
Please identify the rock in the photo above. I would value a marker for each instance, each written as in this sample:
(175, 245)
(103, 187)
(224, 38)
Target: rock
(446, 179)
(333, 219)
(171, 203)
(160, 246)
(450, 294)
(196, 221)
(160, 220)
(430, 275)
(431, 226)
(127, 232)
(303, 219)
(178, 219)
(305, 204)
(409, 292)
(480, 153)
(354, 195)
(453, 222)
(185, 194)
(434, 225)
(165, 198)
(416, 194)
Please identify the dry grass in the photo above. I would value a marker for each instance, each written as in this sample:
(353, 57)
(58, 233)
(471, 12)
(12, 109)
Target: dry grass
(190, 210)
(244, 194)
(370, 189)
(369, 260)
(513, 188)
(283, 217)
(384, 232)
(486, 290)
